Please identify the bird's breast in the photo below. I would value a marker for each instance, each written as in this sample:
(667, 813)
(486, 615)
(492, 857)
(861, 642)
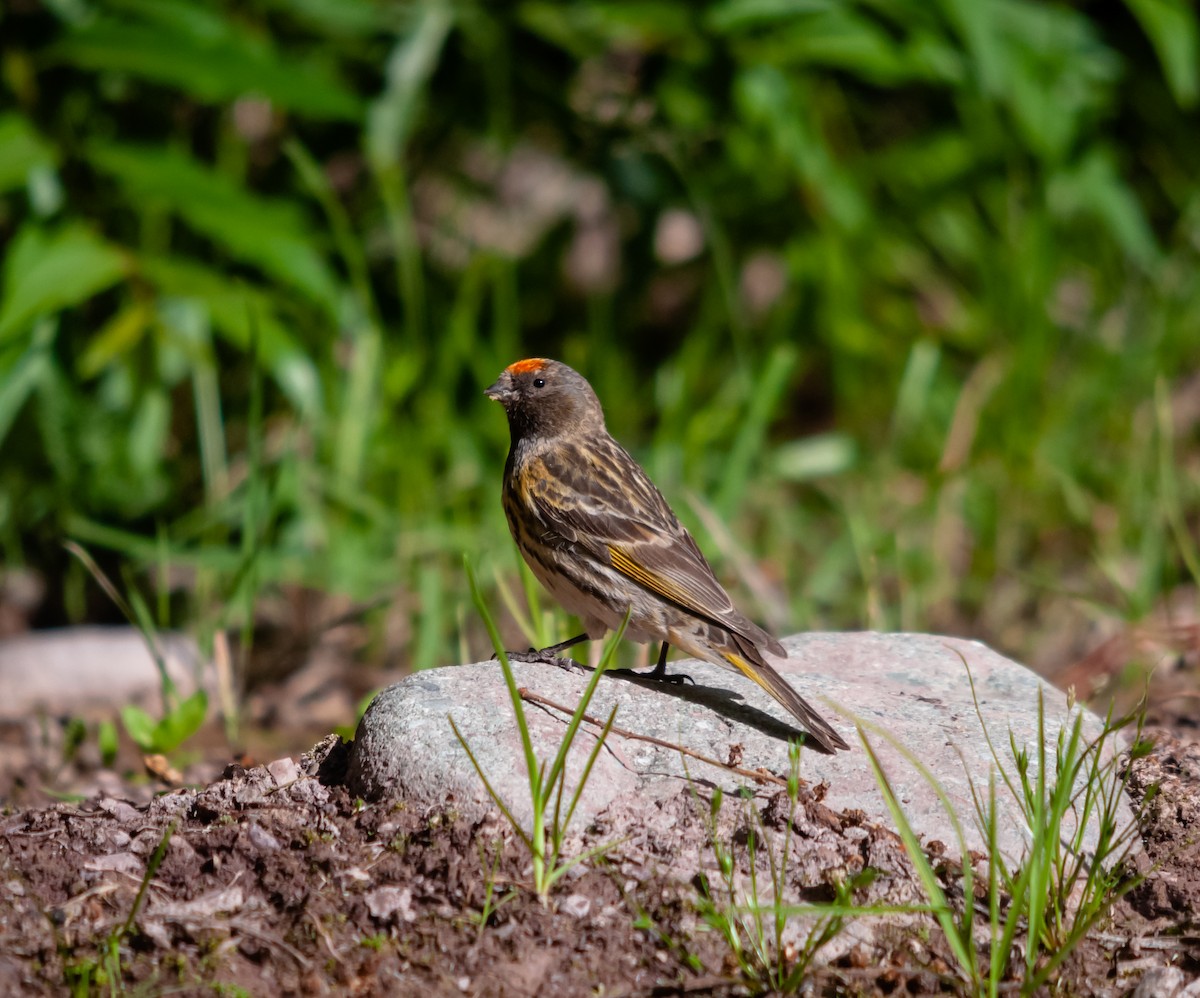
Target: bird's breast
(530, 480)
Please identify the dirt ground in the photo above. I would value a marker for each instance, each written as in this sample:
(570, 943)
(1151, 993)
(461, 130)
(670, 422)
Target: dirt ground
(271, 880)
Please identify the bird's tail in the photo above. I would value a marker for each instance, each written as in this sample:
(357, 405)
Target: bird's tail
(771, 681)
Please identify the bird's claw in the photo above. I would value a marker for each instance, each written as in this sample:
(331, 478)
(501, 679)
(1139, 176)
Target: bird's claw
(535, 657)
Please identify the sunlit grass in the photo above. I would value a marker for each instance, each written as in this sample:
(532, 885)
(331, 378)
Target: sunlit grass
(551, 802)
(932, 344)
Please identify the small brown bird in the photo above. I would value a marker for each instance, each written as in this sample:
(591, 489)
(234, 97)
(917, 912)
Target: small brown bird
(602, 539)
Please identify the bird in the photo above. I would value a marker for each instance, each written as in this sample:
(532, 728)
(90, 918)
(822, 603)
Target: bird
(602, 540)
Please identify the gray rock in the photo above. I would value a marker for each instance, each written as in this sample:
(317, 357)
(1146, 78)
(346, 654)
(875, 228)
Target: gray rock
(909, 693)
(92, 670)
(1164, 982)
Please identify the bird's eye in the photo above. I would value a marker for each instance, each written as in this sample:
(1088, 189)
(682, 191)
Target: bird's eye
(539, 382)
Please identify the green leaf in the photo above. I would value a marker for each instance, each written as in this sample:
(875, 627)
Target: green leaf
(1094, 188)
(141, 727)
(737, 15)
(589, 28)
(976, 22)
(842, 39)
(117, 337)
(1044, 62)
(21, 151)
(1060, 73)
(1171, 27)
(240, 312)
(212, 58)
(409, 68)
(184, 721)
(18, 382)
(172, 731)
(821, 455)
(268, 232)
(770, 101)
(149, 433)
(106, 738)
(46, 272)
(929, 161)
(346, 18)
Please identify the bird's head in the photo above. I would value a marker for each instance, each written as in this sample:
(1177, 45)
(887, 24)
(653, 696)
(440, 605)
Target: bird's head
(546, 398)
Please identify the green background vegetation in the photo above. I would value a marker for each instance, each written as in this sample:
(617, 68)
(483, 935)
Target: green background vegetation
(897, 301)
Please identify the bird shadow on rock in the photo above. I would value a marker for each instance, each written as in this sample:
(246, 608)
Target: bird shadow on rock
(728, 704)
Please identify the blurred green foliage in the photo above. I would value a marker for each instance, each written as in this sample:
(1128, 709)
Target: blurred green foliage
(890, 285)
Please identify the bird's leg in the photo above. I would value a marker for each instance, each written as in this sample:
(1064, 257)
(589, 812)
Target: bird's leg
(659, 672)
(549, 655)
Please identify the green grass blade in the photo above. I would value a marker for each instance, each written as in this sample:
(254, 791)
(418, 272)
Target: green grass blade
(531, 762)
(487, 784)
(956, 938)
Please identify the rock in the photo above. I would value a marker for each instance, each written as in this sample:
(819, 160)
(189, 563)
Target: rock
(284, 771)
(910, 694)
(390, 903)
(1165, 982)
(90, 670)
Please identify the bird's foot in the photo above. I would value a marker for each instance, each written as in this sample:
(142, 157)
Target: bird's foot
(544, 657)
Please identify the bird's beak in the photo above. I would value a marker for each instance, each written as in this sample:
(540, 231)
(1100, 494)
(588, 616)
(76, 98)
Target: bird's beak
(502, 390)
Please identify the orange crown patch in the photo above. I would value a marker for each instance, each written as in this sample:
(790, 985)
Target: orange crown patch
(525, 366)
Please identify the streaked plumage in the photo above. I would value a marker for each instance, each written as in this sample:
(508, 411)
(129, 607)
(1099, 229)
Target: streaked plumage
(601, 538)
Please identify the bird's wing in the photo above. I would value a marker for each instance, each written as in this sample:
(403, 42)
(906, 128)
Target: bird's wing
(599, 498)
(674, 570)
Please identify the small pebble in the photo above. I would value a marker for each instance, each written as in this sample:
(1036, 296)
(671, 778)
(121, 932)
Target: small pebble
(284, 771)
(575, 905)
(260, 838)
